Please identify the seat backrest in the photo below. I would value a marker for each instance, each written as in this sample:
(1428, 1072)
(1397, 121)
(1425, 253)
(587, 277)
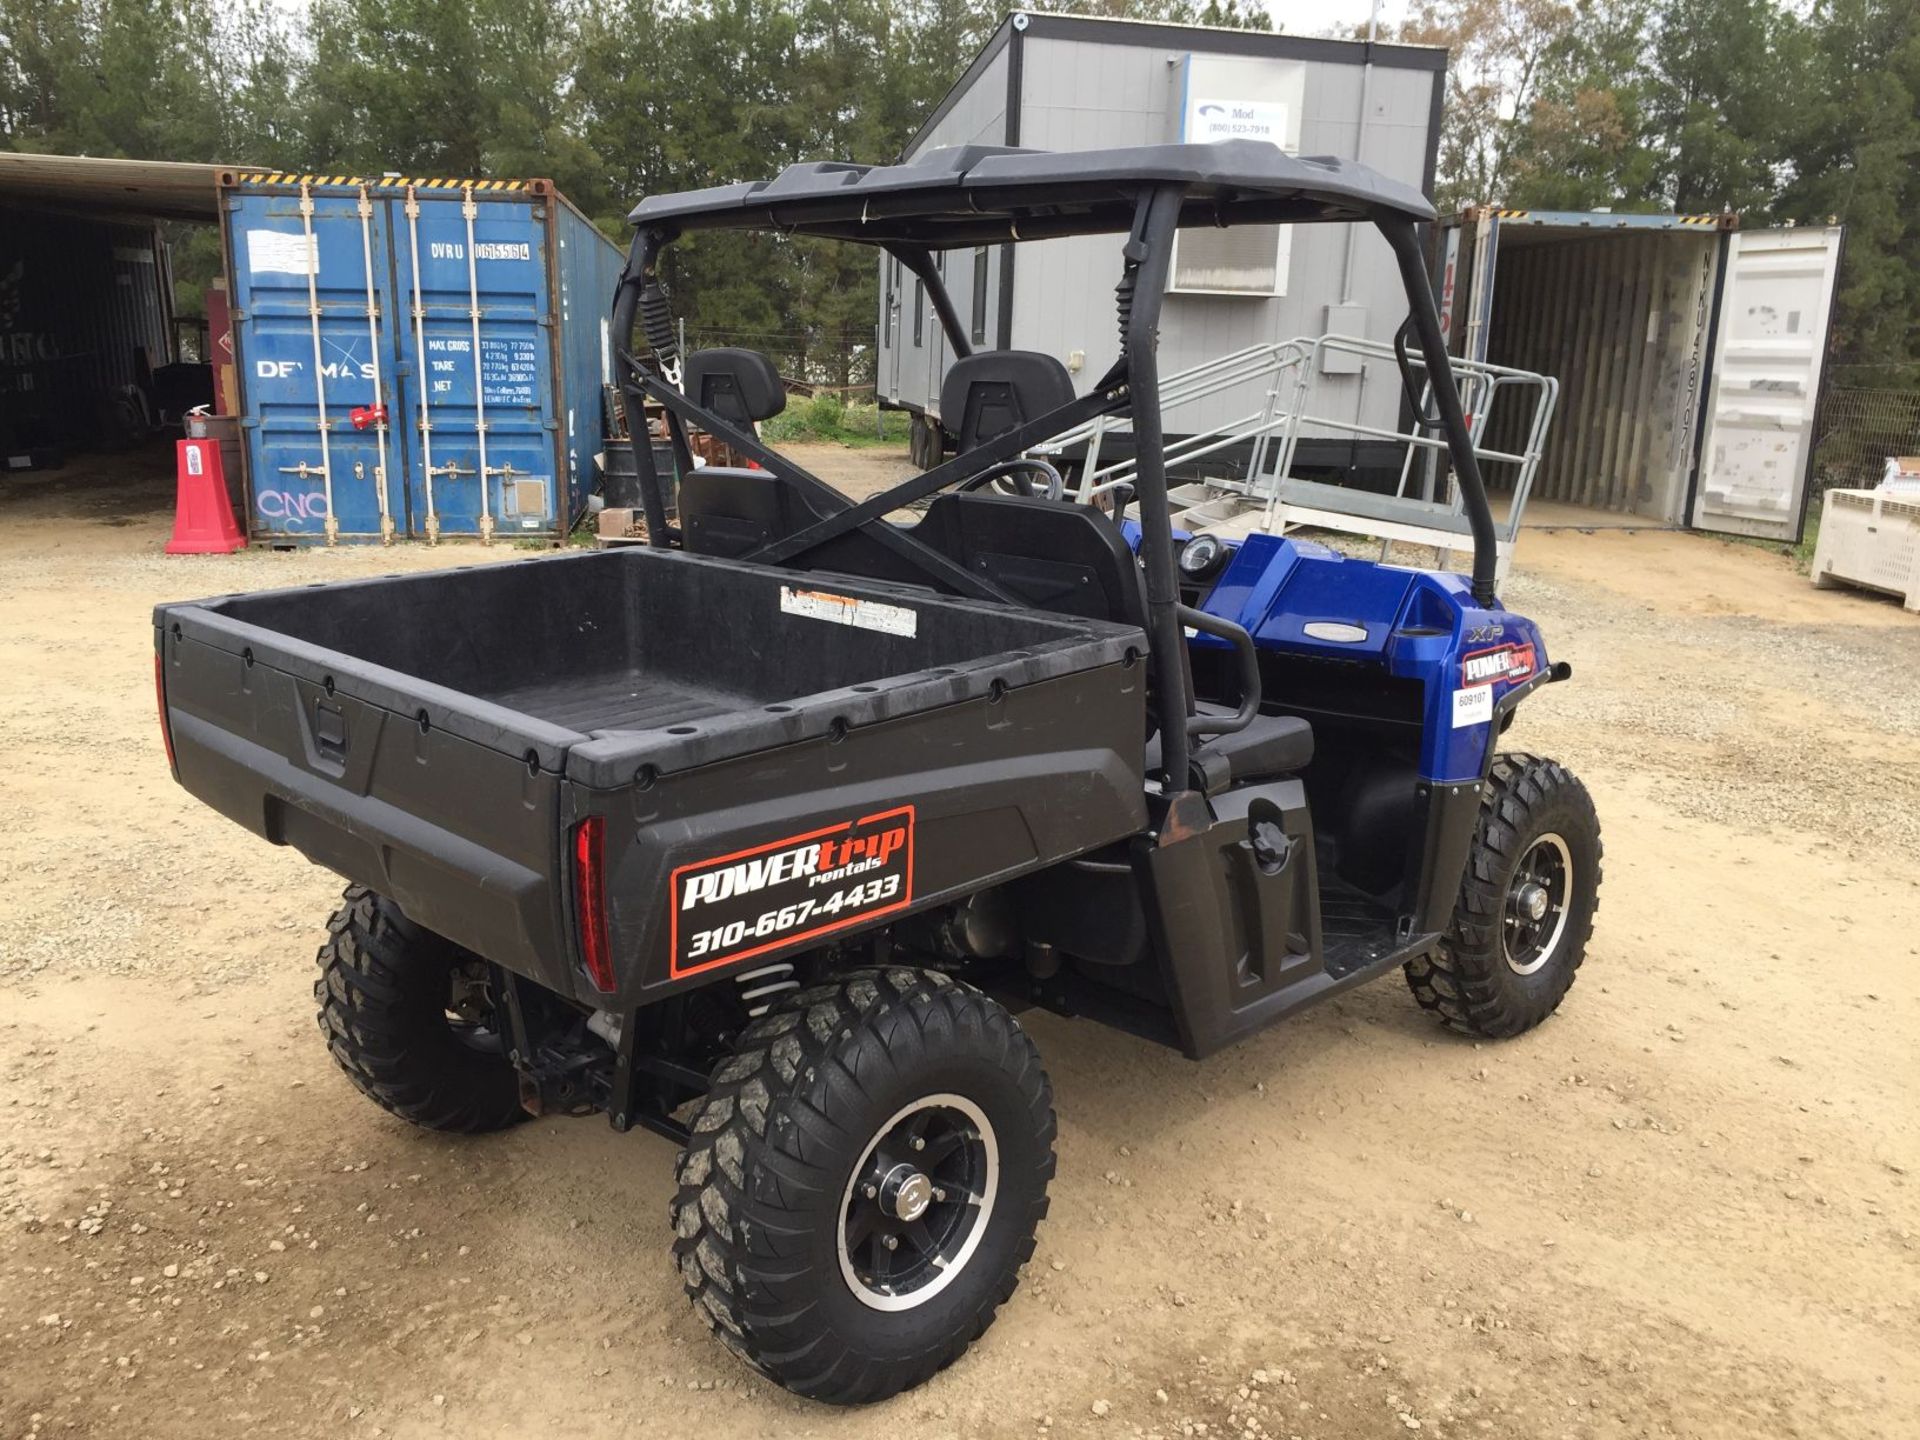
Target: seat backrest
(994, 391)
(1051, 555)
(731, 513)
(741, 386)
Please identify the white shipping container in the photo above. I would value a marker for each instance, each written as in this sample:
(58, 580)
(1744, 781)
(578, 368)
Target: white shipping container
(1689, 354)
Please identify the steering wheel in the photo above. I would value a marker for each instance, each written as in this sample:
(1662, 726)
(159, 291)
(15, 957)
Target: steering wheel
(1012, 478)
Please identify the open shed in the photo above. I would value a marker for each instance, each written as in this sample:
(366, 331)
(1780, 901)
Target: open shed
(88, 354)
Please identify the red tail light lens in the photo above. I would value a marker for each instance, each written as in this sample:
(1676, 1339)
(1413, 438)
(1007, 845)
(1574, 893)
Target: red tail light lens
(590, 900)
(160, 698)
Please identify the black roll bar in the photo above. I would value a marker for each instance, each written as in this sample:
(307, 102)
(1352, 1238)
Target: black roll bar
(919, 260)
(1148, 251)
(642, 260)
(1404, 237)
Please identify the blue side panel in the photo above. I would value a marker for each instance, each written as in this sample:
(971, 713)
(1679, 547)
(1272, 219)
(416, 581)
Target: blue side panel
(1299, 598)
(283, 393)
(511, 378)
(589, 270)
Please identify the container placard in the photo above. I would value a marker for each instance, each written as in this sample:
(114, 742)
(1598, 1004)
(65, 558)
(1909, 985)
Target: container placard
(790, 890)
(274, 252)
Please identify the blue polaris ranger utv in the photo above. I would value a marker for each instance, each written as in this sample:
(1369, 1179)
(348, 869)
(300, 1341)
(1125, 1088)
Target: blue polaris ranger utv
(758, 835)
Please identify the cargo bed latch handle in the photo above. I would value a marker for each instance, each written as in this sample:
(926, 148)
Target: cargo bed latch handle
(329, 730)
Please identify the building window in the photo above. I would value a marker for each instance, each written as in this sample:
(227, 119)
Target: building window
(980, 296)
(919, 309)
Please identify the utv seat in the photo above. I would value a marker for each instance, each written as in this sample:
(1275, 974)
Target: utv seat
(1272, 745)
(991, 392)
(729, 512)
(738, 385)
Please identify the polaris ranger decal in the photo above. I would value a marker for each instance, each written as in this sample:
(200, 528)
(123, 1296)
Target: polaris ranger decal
(786, 891)
(1511, 663)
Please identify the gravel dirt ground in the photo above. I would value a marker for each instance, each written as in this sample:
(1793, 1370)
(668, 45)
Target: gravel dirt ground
(1685, 1206)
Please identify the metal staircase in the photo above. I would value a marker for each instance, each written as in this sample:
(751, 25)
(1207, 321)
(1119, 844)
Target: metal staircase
(1237, 476)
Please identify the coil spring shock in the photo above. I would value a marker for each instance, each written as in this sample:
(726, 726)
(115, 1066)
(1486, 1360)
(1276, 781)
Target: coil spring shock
(759, 987)
(656, 321)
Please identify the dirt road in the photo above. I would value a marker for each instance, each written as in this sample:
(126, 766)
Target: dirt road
(1685, 1206)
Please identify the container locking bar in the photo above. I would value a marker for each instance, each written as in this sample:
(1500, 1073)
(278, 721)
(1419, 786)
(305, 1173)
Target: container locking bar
(379, 394)
(420, 365)
(311, 263)
(467, 209)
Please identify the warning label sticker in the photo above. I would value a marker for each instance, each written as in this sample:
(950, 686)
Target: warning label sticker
(789, 890)
(846, 610)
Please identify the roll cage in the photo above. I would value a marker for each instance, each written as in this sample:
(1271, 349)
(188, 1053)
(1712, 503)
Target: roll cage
(981, 195)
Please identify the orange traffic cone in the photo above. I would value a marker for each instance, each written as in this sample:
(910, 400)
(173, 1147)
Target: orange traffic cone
(203, 516)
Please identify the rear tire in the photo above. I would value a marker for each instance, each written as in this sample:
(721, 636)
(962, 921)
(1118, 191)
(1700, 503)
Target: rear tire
(386, 992)
(1525, 911)
(860, 1111)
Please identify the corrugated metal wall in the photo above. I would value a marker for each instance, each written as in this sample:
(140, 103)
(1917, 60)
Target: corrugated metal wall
(79, 300)
(1622, 321)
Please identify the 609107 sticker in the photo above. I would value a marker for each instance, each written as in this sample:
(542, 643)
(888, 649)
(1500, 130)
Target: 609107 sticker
(797, 888)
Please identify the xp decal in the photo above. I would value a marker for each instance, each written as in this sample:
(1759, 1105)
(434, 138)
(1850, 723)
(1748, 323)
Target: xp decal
(788, 890)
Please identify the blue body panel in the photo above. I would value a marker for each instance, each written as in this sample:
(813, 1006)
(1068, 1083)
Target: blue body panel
(1415, 625)
(542, 278)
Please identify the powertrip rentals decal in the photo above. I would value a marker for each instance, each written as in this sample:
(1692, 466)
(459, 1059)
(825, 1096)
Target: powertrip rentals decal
(1512, 663)
(735, 906)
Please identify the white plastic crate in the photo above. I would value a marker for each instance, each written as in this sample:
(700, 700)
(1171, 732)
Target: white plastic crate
(1870, 538)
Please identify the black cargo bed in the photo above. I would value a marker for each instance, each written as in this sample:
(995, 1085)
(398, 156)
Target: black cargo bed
(629, 700)
(438, 736)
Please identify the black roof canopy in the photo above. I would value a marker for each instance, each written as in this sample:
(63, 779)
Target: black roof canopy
(985, 194)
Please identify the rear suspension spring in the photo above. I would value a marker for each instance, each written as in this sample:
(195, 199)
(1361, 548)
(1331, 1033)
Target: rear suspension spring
(759, 988)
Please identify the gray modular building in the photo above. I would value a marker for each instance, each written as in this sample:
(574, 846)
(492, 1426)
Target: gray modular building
(1060, 82)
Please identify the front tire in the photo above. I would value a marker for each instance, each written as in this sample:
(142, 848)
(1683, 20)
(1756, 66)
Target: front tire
(863, 1182)
(405, 1013)
(1525, 910)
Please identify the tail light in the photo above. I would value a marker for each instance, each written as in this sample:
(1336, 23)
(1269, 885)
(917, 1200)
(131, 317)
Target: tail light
(590, 900)
(160, 698)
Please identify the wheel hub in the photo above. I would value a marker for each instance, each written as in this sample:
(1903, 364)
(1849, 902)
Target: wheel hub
(1538, 899)
(906, 1193)
(916, 1205)
(1533, 901)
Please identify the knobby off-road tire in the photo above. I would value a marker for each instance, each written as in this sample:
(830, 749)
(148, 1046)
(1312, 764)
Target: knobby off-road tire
(384, 989)
(772, 1219)
(1501, 969)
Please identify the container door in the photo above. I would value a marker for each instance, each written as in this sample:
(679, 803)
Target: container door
(313, 365)
(471, 273)
(1757, 450)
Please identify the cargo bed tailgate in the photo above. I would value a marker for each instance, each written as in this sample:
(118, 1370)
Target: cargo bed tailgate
(367, 772)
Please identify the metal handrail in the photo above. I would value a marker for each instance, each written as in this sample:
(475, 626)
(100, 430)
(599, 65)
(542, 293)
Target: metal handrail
(1270, 434)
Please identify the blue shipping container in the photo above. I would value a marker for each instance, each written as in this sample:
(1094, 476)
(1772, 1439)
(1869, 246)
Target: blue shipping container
(417, 358)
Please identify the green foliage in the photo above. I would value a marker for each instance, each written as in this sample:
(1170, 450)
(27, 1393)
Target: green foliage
(1780, 111)
(826, 418)
(1784, 110)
